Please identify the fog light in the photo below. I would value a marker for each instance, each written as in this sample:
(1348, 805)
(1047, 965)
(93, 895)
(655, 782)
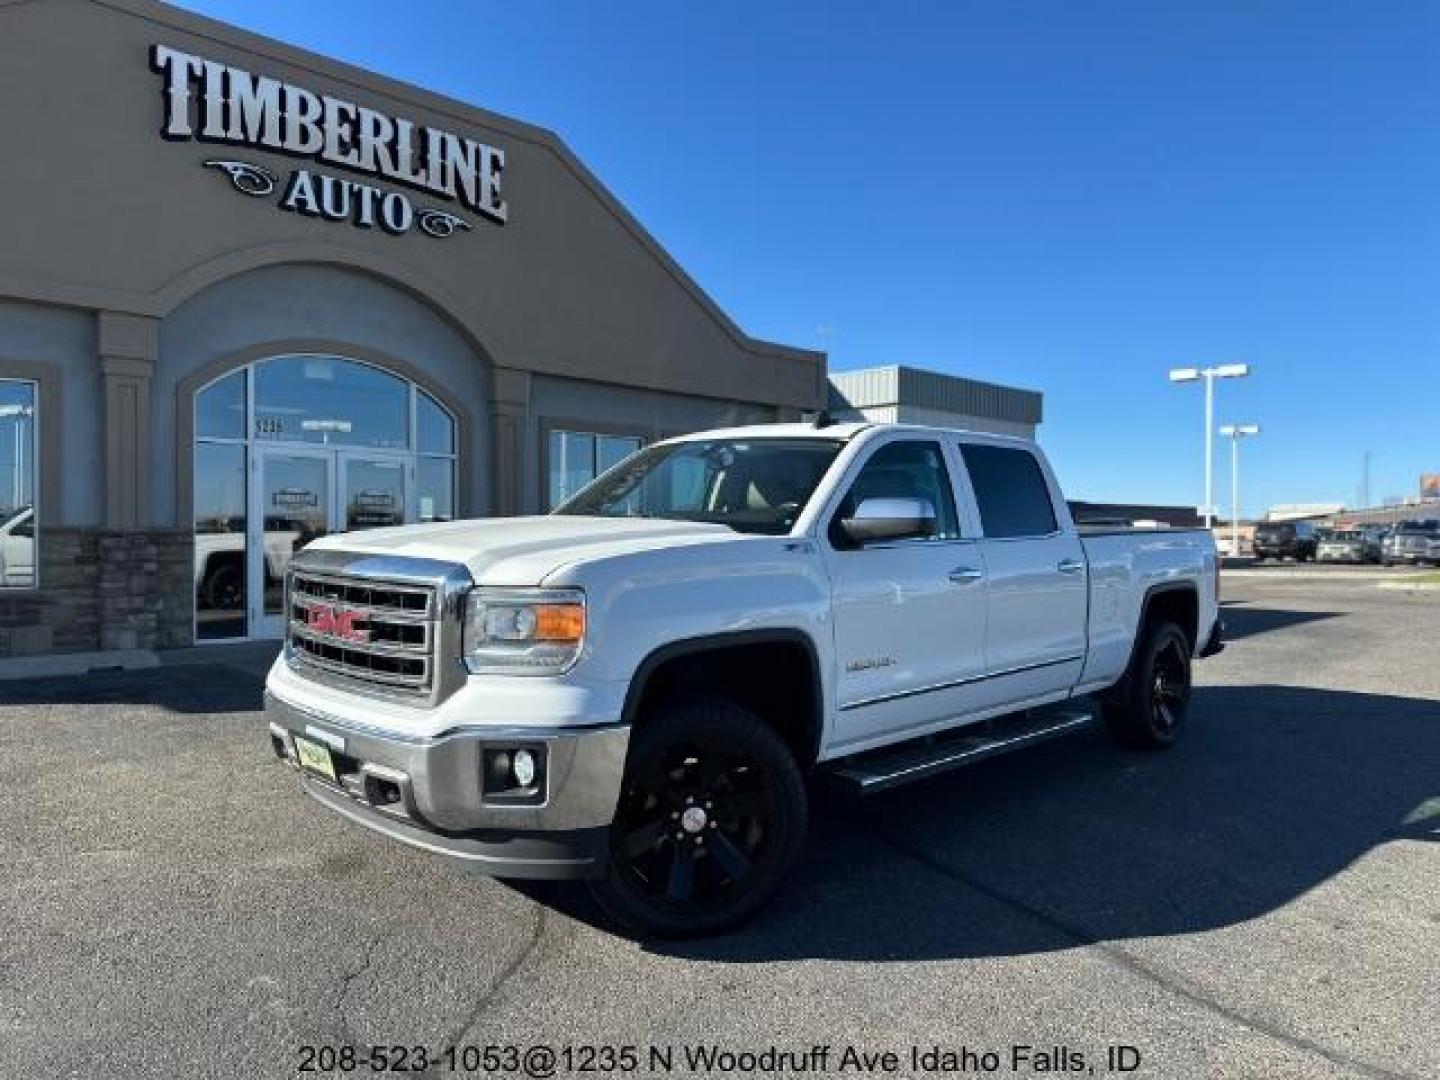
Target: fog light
(523, 768)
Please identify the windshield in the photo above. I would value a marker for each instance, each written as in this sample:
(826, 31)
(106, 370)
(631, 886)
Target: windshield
(751, 485)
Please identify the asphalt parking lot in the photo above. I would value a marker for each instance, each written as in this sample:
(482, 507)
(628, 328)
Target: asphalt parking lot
(1263, 901)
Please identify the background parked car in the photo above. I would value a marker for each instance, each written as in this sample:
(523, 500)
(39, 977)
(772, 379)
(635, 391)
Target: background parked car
(1286, 540)
(1348, 545)
(1413, 542)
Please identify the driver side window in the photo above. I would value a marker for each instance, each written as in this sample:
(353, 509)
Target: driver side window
(909, 469)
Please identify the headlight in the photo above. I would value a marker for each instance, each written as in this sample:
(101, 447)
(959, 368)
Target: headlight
(523, 631)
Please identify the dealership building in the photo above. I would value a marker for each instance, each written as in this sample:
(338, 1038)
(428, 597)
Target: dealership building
(249, 295)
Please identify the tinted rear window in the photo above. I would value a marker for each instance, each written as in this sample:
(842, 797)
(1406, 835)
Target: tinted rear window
(1274, 532)
(1010, 491)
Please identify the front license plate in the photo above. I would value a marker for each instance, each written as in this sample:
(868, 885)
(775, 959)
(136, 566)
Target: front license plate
(315, 757)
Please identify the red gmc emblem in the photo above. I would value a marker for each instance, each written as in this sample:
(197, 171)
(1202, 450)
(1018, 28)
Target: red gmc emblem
(337, 623)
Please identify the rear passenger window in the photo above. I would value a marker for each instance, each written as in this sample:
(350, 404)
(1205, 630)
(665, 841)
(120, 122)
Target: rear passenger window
(1010, 490)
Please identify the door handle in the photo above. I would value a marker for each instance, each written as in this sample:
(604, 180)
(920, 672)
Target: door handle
(1070, 566)
(962, 574)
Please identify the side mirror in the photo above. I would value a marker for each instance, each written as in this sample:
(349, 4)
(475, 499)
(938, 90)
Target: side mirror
(879, 520)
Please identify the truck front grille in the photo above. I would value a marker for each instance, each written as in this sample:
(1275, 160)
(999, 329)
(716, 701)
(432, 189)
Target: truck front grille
(375, 633)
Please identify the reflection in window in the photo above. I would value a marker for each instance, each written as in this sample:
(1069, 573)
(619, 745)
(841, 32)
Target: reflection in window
(220, 408)
(330, 401)
(435, 431)
(18, 561)
(363, 414)
(575, 458)
(435, 481)
(907, 470)
(219, 540)
(374, 494)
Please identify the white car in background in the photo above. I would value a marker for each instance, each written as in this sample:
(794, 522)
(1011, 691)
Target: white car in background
(17, 548)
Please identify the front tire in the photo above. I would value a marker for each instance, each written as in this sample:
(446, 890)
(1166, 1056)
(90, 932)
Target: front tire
(711, 818)
(1155, 704)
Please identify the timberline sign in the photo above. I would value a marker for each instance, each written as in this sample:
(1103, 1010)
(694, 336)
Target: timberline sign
(218, 103)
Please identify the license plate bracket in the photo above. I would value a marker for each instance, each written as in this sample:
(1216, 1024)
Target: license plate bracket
(315, 757)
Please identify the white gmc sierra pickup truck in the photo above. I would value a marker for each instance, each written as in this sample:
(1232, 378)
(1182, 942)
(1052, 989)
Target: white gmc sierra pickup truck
(633, 689)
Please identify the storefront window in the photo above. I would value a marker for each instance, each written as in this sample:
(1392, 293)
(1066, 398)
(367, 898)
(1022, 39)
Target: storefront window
(577, 457)
(331, 402)
(220, 408)
(295, 447)
(18, 556)
(219, 540)
(435, 431)
(435, 478)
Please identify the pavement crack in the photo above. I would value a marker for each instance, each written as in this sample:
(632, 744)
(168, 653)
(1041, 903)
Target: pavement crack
(347, 979)
(1173, 983)
(513, 968)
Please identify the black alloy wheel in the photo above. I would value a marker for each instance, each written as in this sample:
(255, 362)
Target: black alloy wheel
(1154, 703)
(710, 818)
(1170, 686)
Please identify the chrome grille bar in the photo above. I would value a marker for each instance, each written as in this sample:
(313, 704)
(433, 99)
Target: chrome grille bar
(375, 633)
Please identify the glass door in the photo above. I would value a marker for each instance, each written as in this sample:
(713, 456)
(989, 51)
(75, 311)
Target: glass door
(293, 504)
(373, 490)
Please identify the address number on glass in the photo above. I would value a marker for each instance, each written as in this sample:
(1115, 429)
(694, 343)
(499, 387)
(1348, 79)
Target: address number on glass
(269, 425)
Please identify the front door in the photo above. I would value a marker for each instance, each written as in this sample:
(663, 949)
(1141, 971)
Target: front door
(302, 494)
(372, 491)
(909, 616)
(293, 502)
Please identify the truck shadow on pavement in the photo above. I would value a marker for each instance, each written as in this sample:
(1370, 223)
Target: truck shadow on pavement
(1242, 620)
(1273, 792)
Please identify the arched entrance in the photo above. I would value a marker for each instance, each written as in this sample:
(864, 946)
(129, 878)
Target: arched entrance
(290, 448)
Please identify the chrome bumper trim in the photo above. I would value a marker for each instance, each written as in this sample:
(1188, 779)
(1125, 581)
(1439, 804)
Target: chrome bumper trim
(439, 777)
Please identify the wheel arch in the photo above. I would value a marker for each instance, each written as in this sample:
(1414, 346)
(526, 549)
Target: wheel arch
(791, 700)
(1179, 601)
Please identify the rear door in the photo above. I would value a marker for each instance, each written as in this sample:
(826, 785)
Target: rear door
(1037, 596)
(909, 615)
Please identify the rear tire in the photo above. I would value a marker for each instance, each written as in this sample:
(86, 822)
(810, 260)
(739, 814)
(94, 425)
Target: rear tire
(711, 818)
(1155, 704)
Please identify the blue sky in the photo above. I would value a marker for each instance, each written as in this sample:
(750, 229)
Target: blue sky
(1072, 197)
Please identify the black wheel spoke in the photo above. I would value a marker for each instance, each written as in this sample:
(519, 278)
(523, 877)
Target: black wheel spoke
(744, 804)
(731, 859)
(682, 873)
(639, 840)
(1167, 718)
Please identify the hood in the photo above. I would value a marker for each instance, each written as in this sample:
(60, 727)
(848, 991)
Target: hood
(525, 550)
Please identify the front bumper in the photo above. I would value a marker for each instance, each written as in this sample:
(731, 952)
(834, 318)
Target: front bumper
(426, 792)
(1274, 553)
(1416, 557)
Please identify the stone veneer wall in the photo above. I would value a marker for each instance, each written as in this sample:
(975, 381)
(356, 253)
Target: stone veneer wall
(103, 589)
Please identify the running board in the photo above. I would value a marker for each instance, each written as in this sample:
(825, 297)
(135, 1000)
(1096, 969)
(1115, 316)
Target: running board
(915, 760)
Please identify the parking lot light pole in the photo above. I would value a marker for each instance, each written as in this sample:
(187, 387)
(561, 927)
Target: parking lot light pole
(1236, 432)
(1209, 374)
